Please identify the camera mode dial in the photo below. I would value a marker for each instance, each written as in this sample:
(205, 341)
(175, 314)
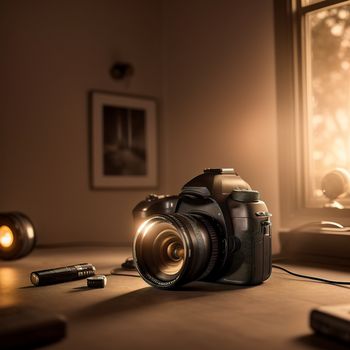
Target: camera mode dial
(151, 197)
(220, 171)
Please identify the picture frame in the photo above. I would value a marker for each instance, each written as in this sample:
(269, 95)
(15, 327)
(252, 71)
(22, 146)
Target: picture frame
(123, 141)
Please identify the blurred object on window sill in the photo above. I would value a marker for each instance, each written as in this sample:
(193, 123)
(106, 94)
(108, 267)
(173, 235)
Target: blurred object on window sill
(335, 185)
(321, 226)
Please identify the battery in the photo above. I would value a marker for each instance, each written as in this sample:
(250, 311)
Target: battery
(62, 274)
(98, 281)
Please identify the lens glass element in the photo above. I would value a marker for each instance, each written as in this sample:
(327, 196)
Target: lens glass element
(173, 249)
(6, 237)
(162, 250)
(168, 251)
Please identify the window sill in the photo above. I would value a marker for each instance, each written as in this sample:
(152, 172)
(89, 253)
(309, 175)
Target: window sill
(326, 247)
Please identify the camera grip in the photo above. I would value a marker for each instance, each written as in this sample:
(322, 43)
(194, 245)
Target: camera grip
(251, 263)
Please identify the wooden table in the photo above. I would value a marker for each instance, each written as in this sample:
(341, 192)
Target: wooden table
(128, 314)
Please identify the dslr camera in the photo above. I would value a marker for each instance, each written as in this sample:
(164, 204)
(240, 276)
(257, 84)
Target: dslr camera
(216, 230)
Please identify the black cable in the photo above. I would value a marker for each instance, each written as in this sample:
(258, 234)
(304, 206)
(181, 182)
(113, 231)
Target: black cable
(319, 279)
(310, 277)
(125, 274)
(126, 267)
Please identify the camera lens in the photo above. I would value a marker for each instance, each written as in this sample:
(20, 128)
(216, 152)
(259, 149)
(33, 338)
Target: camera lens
(171, 250)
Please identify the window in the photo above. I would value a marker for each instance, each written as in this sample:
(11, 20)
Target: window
(326, 97)
(313, 92)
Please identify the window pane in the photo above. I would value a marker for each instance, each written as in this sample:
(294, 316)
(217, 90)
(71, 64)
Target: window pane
(327, 77)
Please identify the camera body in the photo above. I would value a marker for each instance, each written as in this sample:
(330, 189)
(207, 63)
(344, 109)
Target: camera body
(235, 220)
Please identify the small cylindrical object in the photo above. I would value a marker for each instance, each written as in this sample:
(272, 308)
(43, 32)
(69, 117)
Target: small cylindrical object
(62, 274)
(98, 281)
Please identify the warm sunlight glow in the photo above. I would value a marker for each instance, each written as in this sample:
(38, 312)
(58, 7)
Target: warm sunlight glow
(9, 281)
(6, 237)
(327, 48)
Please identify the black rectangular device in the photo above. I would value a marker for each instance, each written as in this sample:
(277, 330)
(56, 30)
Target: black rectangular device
(332, 321)
(25, 327)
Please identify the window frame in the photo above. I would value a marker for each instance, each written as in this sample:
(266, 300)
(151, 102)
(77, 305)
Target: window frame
(291, 112)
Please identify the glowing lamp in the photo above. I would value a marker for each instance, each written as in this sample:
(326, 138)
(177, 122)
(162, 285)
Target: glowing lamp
(17, 237)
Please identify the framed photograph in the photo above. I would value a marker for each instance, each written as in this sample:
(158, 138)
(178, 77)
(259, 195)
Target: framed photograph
(124, 141)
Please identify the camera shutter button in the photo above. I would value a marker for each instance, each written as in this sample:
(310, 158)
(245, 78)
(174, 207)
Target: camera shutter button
(245, 196)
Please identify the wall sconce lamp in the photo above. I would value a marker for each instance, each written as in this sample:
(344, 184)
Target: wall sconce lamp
(121, 70)
(17, 236)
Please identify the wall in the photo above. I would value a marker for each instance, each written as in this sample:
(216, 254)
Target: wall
(220, 93)
(53, 52)
(210, 63)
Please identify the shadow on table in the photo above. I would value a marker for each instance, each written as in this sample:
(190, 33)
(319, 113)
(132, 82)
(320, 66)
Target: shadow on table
(315, 341)
(149, 297)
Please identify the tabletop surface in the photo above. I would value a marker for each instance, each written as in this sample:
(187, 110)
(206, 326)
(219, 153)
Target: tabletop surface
(129, 314)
